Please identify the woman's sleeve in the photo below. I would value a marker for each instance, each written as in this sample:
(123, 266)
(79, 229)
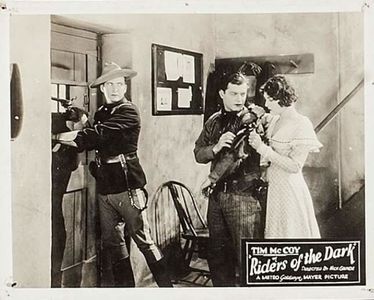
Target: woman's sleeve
(305, 136)
(304, 141)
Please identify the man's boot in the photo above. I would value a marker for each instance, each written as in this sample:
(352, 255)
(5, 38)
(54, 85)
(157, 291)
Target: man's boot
(122, 273)
(160, 273)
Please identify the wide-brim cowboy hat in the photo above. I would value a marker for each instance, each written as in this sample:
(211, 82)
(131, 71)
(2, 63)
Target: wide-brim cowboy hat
(111, 71)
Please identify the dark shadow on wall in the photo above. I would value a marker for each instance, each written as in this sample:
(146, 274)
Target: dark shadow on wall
(348, 222)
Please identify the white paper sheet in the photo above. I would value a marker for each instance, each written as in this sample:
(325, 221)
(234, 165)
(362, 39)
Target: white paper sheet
(173, 65)
(184, 97)
(163, 99)
(188, 68)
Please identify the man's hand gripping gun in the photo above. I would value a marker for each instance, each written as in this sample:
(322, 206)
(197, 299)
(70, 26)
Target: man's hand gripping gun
(73, 113)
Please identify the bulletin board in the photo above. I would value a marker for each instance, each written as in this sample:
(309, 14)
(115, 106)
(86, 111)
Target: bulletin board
(176, 81)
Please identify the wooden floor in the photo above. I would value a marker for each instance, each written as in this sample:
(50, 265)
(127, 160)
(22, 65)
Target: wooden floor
(195, 279)
(85, 276)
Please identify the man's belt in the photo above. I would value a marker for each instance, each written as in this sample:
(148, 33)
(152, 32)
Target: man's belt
(117, 159)
(123, 159)
(245, 184)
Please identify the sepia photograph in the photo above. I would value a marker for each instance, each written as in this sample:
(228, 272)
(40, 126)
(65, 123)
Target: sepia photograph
(186, 150)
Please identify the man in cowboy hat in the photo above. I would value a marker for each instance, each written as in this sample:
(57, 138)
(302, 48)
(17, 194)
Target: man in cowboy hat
(120, 177)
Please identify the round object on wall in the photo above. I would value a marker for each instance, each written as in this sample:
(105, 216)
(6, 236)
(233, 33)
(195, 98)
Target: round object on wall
(16, 101)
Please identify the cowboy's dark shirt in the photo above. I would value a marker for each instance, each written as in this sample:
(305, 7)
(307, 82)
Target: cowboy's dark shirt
(115, 131)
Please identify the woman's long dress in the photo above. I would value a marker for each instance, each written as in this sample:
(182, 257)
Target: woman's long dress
(290, 212)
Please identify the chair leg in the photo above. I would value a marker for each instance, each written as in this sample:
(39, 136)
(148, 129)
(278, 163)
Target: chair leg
(185, 248)
(189, 248)
(187, 255)
(191, 251)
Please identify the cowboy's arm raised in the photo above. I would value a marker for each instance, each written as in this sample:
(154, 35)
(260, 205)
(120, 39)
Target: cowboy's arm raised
(93, 137)
(123, 119)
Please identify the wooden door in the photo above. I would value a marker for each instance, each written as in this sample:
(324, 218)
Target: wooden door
(74, 63)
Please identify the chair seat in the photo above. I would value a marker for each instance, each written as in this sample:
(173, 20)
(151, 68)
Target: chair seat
(200, 232)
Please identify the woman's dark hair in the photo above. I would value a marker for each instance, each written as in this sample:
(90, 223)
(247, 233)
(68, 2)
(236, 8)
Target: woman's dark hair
(279, 89)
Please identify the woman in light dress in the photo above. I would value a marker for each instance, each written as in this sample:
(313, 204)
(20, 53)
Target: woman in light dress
(290, 212)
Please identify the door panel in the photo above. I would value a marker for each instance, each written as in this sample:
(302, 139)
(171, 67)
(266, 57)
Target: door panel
(79, 226)
(68, 212)
(80, 67)
(62, 65)
(73, 57)
(91, 209)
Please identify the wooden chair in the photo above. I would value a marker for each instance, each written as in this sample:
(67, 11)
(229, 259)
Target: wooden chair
(193, 228)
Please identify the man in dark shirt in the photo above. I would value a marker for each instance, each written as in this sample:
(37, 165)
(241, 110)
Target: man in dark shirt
(120, 177)
(233, 212)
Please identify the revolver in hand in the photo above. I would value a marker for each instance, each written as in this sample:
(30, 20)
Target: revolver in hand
(72, 113)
